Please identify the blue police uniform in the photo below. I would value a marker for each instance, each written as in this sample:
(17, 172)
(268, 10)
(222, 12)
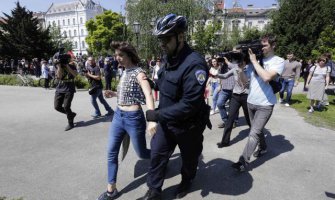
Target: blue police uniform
(182, 116)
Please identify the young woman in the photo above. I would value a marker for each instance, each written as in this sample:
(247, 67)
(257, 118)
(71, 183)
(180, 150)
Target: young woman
(317, 82)
(132, 91)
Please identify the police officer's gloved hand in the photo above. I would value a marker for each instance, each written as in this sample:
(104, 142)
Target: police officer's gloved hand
(152, 115)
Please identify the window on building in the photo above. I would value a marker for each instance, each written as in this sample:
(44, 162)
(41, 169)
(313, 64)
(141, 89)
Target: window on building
(82, 31)
(64, 34)
(76, 45)
(261, 22)
(63, 22)
(74, 21)
(81, 20)
(235, 24)
(53, 23)
(58, 22)
(83, 44)
(68, 21)
(49, 23)
(249, 24)
(70, 35)
(75, 32)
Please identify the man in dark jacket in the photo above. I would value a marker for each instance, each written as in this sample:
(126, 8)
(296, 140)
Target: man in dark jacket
(182, 114)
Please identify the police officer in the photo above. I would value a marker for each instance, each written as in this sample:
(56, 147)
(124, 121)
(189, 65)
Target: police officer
(182, 114)
(66, 72)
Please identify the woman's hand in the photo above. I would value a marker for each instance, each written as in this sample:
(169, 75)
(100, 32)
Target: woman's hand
(152, 128)
(110, 94)
(252, 56)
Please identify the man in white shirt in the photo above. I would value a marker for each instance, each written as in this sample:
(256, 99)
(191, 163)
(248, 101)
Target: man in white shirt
(261, 98)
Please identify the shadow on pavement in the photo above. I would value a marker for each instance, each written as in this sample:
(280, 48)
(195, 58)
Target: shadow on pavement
(241, 135)
(276, 145)
(330, 195)
(92, 121)
(216, 176)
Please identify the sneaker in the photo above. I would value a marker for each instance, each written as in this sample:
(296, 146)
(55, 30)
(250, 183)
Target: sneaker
(311, 110)
(110, 113)
(151, 195)
(287, 105)
(212, 112)
(281, 100)
(260, 152)
(221, 125)
(69, 127)
(72, 116)
(216, 110)
(108, 195)
(240, 166)
(96, 116)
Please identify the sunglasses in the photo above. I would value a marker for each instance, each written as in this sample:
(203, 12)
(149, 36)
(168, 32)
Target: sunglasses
(164, 40)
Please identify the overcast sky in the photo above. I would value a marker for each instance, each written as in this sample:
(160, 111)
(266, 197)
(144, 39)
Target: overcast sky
(114, 5)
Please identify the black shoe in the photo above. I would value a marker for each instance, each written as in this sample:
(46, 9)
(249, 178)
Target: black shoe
(69, 127)
(183, 188)
(221, 145)
(260, 152)
(151, 195)
(240, 166)
(72, 116)
(221, 125)
(108, 195)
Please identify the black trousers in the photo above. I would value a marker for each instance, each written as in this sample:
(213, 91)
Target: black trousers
(236, 102)
(163, 145)
(108, 80)
(62, 103)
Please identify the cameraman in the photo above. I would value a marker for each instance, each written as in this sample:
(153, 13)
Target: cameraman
(261, 98)
(94, 77)
(65, 73)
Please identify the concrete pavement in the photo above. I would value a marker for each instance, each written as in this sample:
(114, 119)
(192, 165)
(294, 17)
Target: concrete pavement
(39, 161)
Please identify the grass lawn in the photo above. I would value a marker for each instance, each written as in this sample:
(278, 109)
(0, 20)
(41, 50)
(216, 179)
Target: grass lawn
(324, 118)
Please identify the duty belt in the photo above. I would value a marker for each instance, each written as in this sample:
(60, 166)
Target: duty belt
(67, 81)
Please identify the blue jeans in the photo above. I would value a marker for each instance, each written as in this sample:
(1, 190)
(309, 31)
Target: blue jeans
(94, 102)
(224, 95)
(215, 94)
(286, 84)
(125, 122)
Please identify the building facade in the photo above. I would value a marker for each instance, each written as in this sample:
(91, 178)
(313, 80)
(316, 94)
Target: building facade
(71, 17)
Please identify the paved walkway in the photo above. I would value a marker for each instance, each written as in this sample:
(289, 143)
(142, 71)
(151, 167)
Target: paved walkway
(39, 161)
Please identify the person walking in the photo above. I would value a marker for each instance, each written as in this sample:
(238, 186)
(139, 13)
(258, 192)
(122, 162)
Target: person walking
(132, 91)
(289, 78)
(317, 83)
(261, 98)
(94, 78)
(182, 114)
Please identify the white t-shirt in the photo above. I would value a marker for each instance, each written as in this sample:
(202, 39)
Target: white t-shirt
(155, 75)
(260, 92)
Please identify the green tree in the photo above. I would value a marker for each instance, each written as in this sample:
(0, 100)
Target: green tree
(102, 30)
(147, 12)
(57, 39)
(22, 36)
(326, 42)
(298, 24)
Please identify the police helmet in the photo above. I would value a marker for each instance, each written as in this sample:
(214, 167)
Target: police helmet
(170, 25)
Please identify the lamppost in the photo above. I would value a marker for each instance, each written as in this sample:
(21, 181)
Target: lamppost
(137, 28)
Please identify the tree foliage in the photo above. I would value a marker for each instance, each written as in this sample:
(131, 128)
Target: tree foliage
(58, 40)
(102, 30)
(147, 12)
(326, 42)
(22, 36)
(298, 24)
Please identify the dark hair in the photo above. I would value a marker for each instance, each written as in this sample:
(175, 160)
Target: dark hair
(270, 38)
(328, 55)
(128, 49)
(323, 57)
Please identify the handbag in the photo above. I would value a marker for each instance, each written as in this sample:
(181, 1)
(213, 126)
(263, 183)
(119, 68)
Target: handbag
(275, 85)
(93, 90)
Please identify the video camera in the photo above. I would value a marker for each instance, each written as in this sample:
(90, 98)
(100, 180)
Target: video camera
(61, 57)
(241, 53)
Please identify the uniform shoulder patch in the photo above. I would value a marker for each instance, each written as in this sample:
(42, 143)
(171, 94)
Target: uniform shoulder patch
(200, 76)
